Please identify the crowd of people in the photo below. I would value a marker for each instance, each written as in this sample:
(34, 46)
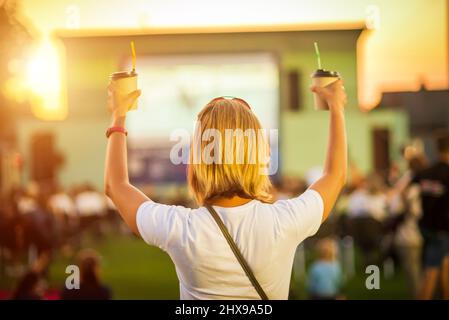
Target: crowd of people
(402, 216)
(43, 218)
(40, 221)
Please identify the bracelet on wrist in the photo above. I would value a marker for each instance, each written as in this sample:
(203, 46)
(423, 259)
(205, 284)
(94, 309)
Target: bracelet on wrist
(111, 130)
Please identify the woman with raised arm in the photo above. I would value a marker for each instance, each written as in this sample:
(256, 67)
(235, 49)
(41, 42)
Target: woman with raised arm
(238, 244)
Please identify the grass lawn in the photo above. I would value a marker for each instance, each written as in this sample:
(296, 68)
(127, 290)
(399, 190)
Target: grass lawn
(135, 270)
(393, 288)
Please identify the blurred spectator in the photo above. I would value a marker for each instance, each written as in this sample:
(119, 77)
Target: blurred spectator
(369, 199)
(35, 220)
(90, 202)
(367, 211)
(325, 277)
(91, 287)
(408, 239)
(434, 224)
(65, 216)
(394, 173)
(32, 285)
(62, 204)
(8, 225)
(27, 199)
(91, 205)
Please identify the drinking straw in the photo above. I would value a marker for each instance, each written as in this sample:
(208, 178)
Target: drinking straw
(317, 52)
(133, 51)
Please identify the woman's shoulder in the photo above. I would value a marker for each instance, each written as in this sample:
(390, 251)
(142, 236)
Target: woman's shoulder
(162, 207)
(306, 197)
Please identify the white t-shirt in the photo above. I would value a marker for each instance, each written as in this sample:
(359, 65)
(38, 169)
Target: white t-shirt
(266, 234)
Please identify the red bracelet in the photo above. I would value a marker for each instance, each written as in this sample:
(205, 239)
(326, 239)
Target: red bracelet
(111, 130)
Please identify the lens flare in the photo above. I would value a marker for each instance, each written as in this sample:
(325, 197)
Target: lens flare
(43, 81)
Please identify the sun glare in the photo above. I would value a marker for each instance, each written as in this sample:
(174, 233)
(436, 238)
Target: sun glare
(43, 80)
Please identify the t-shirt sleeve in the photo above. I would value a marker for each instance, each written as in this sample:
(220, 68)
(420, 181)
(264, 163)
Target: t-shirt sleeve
(301, 217)
(161, 225)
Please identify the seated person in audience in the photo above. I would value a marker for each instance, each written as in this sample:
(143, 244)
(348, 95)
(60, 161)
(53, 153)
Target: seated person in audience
(91, 287)
(325, 277)
(32, 285)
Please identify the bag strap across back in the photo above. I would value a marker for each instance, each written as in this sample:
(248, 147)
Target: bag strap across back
(237, 253)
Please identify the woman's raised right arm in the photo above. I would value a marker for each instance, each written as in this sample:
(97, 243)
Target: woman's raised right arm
(125, 196)
(333, 179)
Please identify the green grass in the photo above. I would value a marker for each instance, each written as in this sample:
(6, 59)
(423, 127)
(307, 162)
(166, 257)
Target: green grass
(394, 288)
(135, 270)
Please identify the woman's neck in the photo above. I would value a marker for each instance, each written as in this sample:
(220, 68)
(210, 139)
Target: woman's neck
(230, 202)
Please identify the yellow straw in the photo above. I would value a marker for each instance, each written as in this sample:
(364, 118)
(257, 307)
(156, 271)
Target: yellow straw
(133, 51)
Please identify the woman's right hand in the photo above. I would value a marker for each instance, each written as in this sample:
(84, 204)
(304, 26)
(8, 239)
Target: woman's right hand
(334, 94)
(120, 102)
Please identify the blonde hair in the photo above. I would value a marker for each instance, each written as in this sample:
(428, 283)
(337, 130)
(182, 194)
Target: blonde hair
(243, 176)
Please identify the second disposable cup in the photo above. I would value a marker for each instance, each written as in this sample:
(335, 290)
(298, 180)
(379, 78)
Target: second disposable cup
(322, 78)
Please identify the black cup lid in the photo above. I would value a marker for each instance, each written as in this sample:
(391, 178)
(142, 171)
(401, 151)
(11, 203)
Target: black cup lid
(325, 73)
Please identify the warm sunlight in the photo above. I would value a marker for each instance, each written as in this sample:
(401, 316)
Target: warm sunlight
(43, 80)
(237, 150)
(417, 35)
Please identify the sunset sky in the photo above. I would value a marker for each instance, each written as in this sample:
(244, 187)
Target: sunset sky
(407, 45)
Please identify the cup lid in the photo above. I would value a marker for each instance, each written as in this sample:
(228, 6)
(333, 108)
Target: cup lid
(325, 73)
(123, 74)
